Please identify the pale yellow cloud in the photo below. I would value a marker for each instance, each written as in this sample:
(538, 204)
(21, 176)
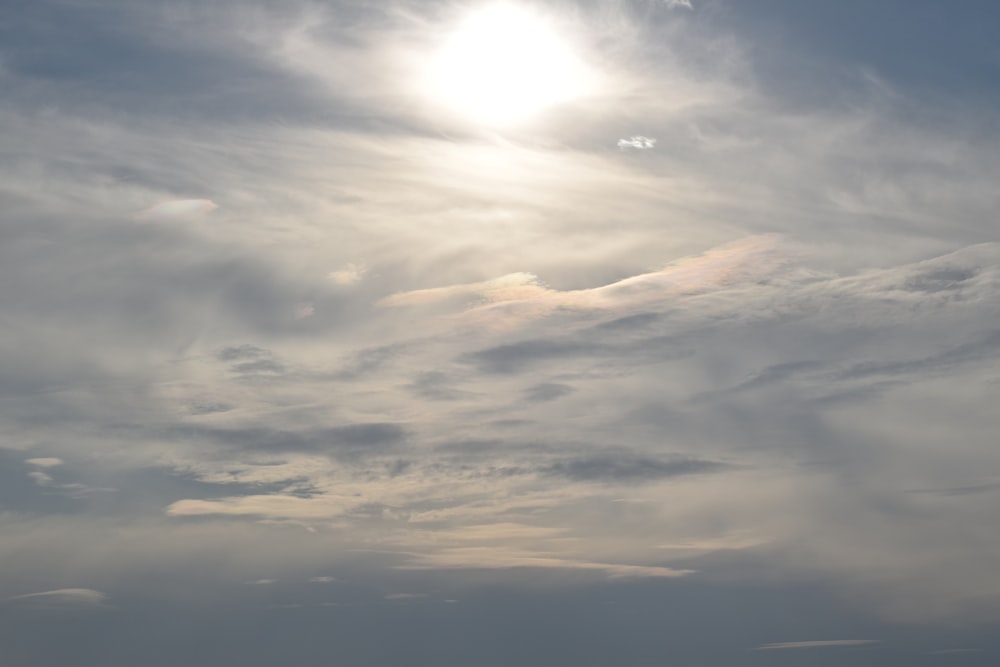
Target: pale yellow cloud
(499, 558)
(347, 275)
(320, 507)
(520, 296)
(177, 209)
(511, 287)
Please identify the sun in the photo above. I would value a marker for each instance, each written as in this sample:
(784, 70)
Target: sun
(504, 63)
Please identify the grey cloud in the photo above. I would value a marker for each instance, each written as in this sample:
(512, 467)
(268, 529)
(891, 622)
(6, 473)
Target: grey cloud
(771, 375)
(548, 391)
(940, 279)
(970, 490)
(517, 356)
(369, 434)
(368, 361)
(209, 407)
(629, 323)
(627, 468)
(528, 354)
(978, 350)
(346, 440)
(438, 386)
(188, 69)
(259, 366)
(242, 353)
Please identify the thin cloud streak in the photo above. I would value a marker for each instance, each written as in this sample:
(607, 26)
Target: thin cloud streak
(62, 598)
(817, 644)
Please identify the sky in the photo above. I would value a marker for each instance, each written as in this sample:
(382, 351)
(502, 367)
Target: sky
(474, 334)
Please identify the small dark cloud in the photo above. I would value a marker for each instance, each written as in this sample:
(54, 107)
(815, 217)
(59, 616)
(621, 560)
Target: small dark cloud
(629, 468)
(367, 361)
(242, 352)
(351, 440)
(250, 360)
(548, 391)
(854, 395)
(368, 435)
(208, 408)
(522, 355)
(771, 375)
(970, 490)
(271, 440)
(437, 386)
(511, 423)
(398, 467)
(517, 356)
(984, 348)
(629, 323)
(938, 280)
(779, 373)
(259, 366)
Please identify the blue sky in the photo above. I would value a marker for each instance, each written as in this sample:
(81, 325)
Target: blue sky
(479, 334)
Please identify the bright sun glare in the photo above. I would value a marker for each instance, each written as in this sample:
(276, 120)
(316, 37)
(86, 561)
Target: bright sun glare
(504, 63)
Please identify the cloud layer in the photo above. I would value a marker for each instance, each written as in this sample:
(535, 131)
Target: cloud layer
(551, 393)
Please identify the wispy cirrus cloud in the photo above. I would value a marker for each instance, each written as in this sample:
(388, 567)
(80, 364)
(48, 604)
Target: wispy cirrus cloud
(420, 355)
(67, 599)
(490, 558)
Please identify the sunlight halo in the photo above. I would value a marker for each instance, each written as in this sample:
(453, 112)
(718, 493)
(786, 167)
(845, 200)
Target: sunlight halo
(504, 63)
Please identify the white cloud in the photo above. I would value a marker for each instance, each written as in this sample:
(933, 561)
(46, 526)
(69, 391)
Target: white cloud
(63, 598)
(637, 142)
(304, 310)
(349, 274)
(505, 288)
(178, 209)
(271, 506)
(674, 4)
(47, 481)
(41, 479)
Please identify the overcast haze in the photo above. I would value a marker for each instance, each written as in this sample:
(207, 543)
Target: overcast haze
(633, 333)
